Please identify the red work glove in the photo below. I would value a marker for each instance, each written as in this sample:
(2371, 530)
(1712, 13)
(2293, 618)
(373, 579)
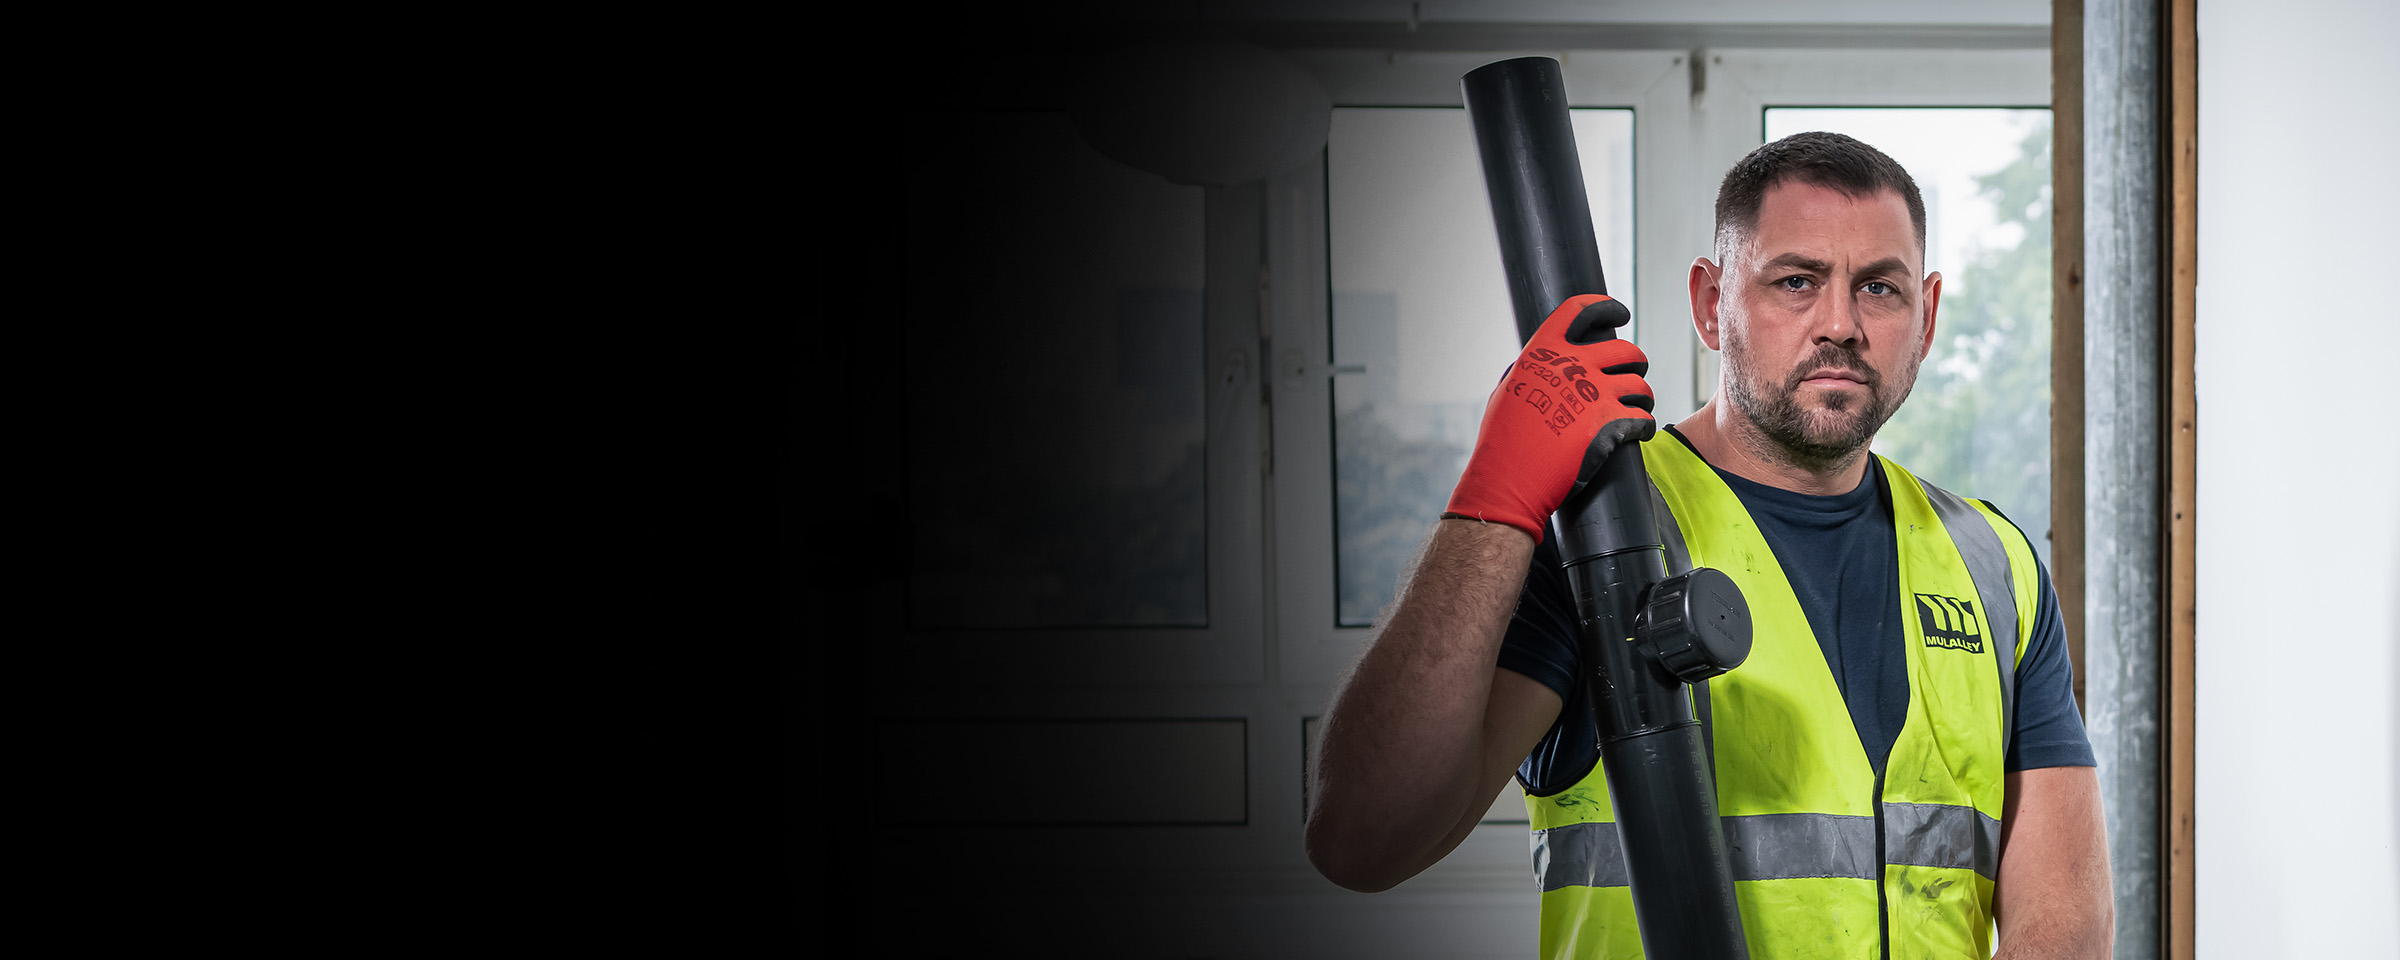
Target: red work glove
(1569, 401)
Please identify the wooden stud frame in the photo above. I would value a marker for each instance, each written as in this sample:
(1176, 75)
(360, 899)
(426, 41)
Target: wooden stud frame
(2066, 323)
(2181, 243)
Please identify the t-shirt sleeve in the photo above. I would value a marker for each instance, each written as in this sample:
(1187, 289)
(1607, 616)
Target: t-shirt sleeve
(2049, 730)
(1541, 644)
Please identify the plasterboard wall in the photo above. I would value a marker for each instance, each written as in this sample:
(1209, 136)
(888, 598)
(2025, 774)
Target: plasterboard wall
(2298, 539)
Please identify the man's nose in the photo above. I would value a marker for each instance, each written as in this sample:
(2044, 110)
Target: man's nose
(1837, 320)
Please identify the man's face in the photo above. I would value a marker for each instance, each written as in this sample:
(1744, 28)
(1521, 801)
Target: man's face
(1823, 312)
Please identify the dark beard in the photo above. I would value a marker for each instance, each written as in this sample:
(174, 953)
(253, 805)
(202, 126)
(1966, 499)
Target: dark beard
(1838, 432)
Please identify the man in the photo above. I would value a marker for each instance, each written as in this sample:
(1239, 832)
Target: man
(1899, 764)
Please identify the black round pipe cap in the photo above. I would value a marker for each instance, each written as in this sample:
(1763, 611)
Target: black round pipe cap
(1695, 624)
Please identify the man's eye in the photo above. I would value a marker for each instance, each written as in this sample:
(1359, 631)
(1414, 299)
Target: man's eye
(1794, 283)
(1879, 288)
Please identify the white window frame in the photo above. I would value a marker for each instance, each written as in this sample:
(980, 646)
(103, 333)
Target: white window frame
(1272, 652)
(1227, 649)
(1683, 143)
(1684, 140)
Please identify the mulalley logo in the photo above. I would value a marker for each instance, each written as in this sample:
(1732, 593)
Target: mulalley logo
(1950, 623)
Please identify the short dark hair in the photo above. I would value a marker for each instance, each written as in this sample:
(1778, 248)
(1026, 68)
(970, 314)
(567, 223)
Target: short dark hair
(1824, 159)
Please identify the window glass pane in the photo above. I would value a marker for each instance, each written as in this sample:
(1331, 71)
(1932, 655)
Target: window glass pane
(1978, 421)
(1063, 486)
(1421, 322)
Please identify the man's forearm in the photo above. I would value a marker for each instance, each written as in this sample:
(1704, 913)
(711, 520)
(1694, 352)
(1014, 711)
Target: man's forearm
(2055, 898)
(1406, 750)
(2079, 922)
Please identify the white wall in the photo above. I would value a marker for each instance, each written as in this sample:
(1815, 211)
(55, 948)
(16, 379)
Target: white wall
(2299, 485)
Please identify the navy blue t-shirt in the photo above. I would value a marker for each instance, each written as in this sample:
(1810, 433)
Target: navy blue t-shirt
(1842, 558)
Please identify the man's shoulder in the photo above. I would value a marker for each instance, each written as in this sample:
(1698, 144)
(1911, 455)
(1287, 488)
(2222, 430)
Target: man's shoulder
(2016, 543)
(1934, 489)
(1887, 465)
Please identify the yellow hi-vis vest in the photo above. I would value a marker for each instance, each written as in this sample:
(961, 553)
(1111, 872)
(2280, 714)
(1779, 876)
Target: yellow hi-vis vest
(1828, 859)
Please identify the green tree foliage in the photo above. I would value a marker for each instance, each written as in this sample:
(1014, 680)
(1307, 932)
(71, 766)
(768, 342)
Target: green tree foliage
(1978, 422)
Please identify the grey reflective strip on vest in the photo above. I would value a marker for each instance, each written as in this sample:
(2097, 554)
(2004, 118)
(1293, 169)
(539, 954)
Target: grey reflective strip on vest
(1578, 855)
(1780, 846)
(1790, 846)
(1940, 835)
(1987, 564)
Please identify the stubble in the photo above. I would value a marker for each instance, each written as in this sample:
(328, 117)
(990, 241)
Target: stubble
(1820, 440)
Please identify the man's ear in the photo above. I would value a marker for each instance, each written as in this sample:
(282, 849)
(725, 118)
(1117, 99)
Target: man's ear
(1706, 297)
(1933, 301)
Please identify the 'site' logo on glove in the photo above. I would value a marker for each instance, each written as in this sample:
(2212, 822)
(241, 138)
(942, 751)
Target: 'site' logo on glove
(1531, 367)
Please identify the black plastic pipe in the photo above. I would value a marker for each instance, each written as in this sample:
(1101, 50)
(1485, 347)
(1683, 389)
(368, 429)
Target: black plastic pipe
(1650, 743)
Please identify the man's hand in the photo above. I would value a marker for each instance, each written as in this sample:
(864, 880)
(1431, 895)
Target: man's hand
(1569, 401)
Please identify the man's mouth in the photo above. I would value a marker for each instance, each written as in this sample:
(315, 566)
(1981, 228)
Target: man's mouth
(1831, 368)
(1833, 377)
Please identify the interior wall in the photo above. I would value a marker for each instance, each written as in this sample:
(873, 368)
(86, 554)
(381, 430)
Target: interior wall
(2298, 490)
